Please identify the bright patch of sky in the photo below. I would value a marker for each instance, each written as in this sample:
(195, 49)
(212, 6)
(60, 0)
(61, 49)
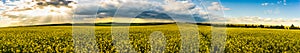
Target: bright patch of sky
(285, 9)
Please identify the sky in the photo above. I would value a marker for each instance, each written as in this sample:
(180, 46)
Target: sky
(277, 12)
(285, 9)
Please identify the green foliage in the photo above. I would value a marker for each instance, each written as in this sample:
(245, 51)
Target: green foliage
(59, 39)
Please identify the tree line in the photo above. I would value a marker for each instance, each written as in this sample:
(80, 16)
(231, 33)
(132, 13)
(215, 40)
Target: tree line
(292, 26)
(263, 26)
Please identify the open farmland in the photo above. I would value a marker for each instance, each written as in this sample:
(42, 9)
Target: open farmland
(59, 39)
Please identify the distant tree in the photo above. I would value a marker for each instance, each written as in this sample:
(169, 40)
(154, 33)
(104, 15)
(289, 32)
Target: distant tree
(292, 26)
(262, 26)
(281, 26)
(229, 25)
(246, 25)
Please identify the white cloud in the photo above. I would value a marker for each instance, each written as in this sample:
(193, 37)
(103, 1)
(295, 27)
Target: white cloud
(259, 20)
(44, 15)
(6, 21)
(265, 4)
(177, 6)
(216, 6)
(274, 11)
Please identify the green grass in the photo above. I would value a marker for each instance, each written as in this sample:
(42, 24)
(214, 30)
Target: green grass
(59, 39)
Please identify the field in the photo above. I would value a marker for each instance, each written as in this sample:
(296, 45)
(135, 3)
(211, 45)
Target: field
(59, 39)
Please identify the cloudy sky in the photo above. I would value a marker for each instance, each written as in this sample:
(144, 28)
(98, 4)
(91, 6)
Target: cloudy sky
(230, 11)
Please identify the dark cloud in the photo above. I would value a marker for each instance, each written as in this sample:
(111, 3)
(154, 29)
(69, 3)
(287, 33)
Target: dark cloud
(156, 15)
(165, 10)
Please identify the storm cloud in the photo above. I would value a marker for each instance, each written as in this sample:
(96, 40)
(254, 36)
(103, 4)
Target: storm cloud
(156, 10)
